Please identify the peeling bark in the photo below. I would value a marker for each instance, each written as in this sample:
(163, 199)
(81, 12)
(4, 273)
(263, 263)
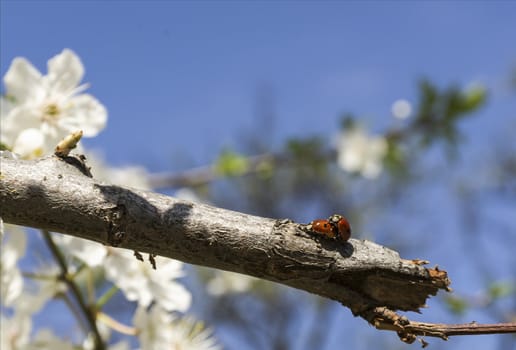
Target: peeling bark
(56, 194)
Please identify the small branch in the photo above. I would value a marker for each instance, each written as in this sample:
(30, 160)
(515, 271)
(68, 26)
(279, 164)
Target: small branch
(86, 310)
(78, 314)
(104, 298)
(385, 319)
(117, 326)
(206, 174)
(449, 330)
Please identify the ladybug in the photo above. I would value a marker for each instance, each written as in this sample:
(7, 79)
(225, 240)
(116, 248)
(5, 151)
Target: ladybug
(341, 225)
(323, 227)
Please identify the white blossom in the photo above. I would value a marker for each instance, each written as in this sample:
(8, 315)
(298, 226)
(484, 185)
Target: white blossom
(141, 283)
(12, 249)
(159, 330)
(46, 339)
(2, 226)
(153, 327)
(225, 282)
(89, 252)
(51, 105)
(31, 302)
(29, 144)
(130, 176)
(361, 153)
(14, 331)
(189, 335)
(121, 345)
(401, 109)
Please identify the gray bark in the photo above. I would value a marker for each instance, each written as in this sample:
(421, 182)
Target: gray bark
(56, 194)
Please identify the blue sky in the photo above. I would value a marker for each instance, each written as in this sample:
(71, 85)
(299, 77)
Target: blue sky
(170, 71)
(180, 79)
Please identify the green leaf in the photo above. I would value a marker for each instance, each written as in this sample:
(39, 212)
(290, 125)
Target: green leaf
(440, 109)
(4, 147)
(395, 159)
(231, 164)
(475, 97)
(428, 96)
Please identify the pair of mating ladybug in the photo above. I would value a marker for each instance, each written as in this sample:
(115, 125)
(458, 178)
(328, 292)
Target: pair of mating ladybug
(336, 227)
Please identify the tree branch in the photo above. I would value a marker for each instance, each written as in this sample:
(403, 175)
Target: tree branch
(385, 319)
(56, 194)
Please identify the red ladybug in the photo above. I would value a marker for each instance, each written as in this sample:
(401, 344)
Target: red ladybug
(342, 226)
(323, 227)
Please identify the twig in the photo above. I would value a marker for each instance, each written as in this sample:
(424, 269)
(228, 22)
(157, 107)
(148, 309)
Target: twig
(74, 289)
(116, 325)
(449, 330)
(384, 319)
(205, 174)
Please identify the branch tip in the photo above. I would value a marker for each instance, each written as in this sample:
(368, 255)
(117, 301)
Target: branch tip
(64, 147)
(408, 331)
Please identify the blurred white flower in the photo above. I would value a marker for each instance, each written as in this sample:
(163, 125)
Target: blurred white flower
(158, 330)
(49, 105)
(89, 252)
(153, 328)
(105, 333)
(121, 345)
(46, 339)
(131, 176)
(359, 152)
(31, 302)
(401, 109)
(190, 335)
(29, 143)
(225, 282)
(141, 283)
(15, 331)
(12, 249)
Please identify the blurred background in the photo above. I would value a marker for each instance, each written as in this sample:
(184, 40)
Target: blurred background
(401, 116)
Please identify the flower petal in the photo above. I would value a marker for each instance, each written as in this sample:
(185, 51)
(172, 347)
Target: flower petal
(360, 152)
(11, 250)
(23, 81)
(85, 113)
(91, 253)
(6, 105)
(65, 72)
(18, 119)
(30, 144)
(172, 296)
